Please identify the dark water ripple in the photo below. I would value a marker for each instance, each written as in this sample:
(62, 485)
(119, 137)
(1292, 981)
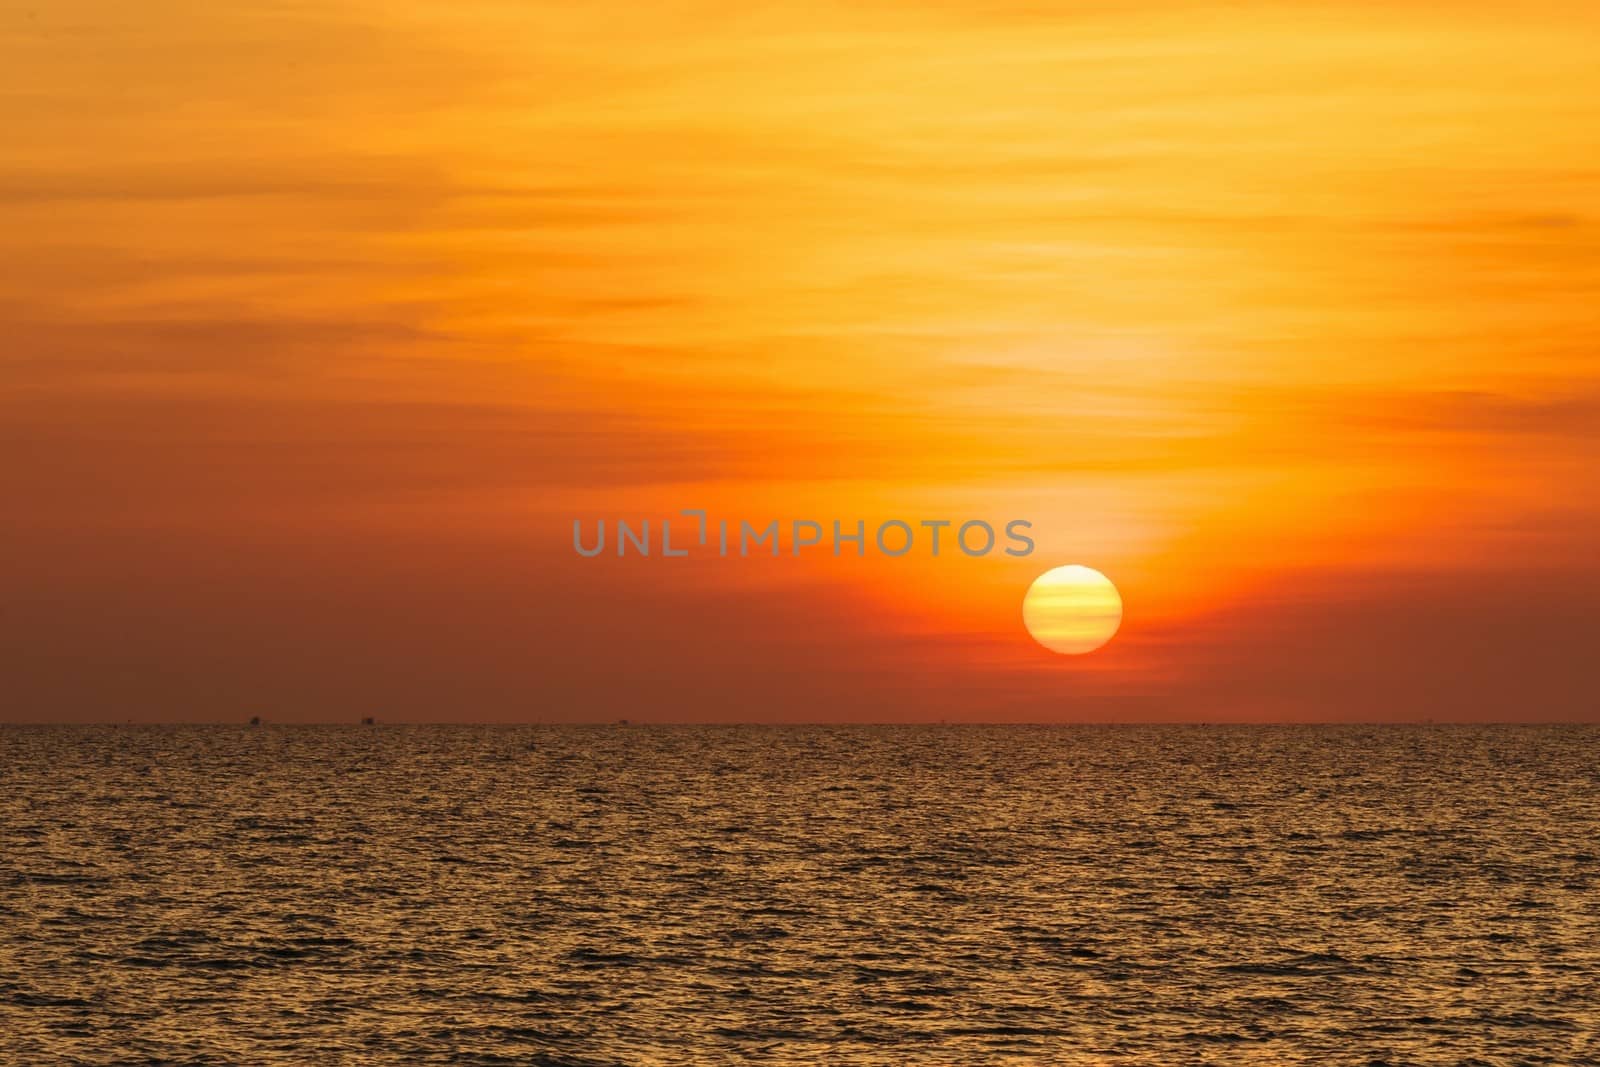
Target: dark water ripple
(656, 896)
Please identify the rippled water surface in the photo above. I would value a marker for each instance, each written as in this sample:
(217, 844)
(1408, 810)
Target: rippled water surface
(629, 895)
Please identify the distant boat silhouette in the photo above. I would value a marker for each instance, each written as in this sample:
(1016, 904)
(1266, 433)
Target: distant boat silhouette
(255, 720)
(367, 720)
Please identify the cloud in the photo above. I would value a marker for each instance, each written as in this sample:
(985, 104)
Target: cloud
(1507, 640)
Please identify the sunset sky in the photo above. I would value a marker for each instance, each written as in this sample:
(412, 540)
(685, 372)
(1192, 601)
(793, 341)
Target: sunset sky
(323, 321)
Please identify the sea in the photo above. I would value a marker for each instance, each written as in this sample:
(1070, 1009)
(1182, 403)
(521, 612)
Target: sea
(577, 896)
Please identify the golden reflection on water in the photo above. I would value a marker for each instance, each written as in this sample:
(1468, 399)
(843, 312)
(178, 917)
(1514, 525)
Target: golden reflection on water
(905, 895)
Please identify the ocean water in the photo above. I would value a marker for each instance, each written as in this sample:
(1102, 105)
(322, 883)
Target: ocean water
(894, 895)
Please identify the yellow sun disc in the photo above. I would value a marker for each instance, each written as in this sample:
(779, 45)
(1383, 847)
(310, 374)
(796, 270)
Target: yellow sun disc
(1072, 610)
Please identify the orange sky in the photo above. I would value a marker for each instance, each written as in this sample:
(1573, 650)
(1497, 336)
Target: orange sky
(323, 321)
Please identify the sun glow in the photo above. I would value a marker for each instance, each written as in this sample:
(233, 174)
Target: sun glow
(1072, 610)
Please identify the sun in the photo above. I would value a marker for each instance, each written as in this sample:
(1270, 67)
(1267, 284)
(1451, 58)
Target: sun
(1072, 610)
